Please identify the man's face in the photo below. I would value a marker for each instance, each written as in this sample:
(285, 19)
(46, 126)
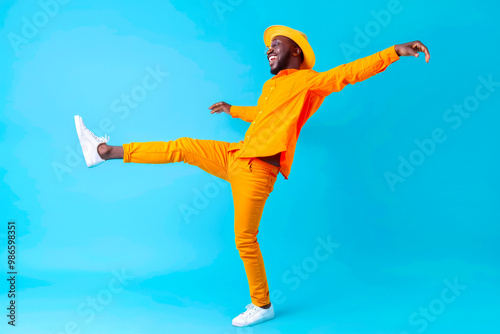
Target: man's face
(279, 53)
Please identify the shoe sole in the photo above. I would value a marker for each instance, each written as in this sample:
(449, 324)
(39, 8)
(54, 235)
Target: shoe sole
(255, 323)
(78, 125)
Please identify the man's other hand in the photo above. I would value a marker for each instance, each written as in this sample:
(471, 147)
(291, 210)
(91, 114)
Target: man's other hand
(220, 107)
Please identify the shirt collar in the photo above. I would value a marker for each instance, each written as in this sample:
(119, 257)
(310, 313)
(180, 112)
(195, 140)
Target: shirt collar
(284, 72)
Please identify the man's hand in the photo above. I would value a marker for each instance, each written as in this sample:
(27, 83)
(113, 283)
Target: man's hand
(412, 49)
(220, 107)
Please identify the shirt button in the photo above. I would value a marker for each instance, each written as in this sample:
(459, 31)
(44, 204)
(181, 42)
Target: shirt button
(272, 87)
(266, 98)
(260, 112)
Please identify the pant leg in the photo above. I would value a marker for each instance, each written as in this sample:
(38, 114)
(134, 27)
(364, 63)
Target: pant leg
(209, 155)
(252, 181)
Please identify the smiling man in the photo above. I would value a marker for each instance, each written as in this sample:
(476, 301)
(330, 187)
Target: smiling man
(252, 165)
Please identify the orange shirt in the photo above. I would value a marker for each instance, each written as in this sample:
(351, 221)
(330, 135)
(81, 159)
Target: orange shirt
(288, 100)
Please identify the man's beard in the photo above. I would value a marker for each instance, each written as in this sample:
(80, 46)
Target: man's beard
(281, 63)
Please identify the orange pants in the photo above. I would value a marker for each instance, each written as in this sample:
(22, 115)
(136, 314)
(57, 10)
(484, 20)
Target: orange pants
(251, 179)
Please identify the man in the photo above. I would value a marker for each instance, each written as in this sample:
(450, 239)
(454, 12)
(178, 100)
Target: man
(252, 165)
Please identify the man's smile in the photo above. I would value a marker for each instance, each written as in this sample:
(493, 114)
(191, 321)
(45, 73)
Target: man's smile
(272, 59)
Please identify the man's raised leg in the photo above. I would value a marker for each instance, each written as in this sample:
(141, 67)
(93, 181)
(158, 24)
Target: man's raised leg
(209, 155)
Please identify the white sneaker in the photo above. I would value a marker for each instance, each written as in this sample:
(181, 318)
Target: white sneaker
(89, 142)
(253, 315)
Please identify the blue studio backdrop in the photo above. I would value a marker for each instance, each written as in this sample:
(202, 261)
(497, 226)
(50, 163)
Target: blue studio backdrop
(389, 222)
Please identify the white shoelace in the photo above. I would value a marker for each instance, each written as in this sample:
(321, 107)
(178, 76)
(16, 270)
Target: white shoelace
(104, 139)
(251, 310)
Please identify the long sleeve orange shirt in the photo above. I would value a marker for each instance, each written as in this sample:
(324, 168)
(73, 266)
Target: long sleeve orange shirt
(288, 100)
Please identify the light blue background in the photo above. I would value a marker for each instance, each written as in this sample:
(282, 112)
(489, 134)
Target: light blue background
(398, 246)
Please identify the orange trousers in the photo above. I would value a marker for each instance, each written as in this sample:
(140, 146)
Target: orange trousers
(251, 179)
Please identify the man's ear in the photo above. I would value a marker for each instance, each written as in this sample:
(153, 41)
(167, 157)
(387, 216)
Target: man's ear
(297, 51)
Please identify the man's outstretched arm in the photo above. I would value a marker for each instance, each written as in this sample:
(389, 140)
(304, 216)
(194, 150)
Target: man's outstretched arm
(334, 80)
(245, 113)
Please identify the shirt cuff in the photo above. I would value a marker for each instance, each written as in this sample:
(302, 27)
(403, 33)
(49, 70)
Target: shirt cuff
(233, 111)
(389, 55)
